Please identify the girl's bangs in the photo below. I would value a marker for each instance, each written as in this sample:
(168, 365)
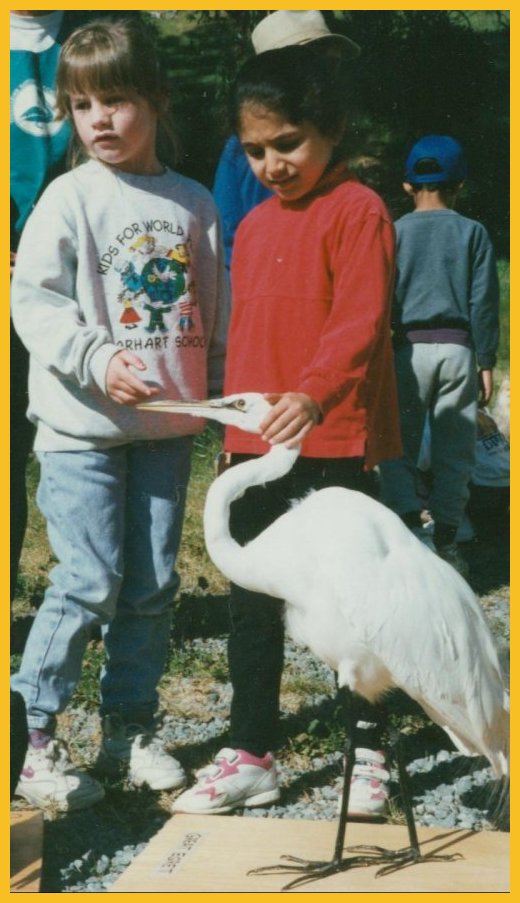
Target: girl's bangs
(98, 74)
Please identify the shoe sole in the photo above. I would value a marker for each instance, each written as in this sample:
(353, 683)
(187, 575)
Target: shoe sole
(376, 812)
(258, 799)
(114, 769)
(365, 814)
(368, 816)
(166, 784)
(60, 805)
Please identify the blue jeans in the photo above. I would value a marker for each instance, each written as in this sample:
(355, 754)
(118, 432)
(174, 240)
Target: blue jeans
(114, 519)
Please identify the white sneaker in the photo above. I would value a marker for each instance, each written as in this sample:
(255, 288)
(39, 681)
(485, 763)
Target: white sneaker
(235, 779)
(369, 786)
(49, 780)
(130, 749)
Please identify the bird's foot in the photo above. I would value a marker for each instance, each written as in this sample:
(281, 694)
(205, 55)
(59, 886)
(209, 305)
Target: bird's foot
(311, 870)
(398, 859)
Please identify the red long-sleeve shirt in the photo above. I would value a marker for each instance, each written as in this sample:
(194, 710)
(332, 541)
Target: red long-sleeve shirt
(312, 283)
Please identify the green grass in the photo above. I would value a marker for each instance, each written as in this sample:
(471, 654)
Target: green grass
(193, 562)
(198, 664)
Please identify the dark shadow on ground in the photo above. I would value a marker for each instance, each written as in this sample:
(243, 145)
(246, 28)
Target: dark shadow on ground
(77, 840)
(200, 616)
(488, 555)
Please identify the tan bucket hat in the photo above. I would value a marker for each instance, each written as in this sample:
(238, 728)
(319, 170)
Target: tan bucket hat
(285, 27)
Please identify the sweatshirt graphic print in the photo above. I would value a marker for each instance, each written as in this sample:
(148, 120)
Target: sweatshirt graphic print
(111, 261)
(152, 260)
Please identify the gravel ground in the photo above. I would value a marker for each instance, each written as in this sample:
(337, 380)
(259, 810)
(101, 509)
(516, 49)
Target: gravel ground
(86, 851)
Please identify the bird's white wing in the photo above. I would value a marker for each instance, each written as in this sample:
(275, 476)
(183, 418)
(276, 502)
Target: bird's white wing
(432, 637)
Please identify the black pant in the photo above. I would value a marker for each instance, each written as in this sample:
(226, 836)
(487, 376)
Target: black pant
(22, 433)
(256, 642)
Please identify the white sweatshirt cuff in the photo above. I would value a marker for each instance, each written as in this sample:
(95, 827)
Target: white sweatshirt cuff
(99, 363)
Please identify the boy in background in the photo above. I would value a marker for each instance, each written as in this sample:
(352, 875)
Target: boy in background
(445, 321)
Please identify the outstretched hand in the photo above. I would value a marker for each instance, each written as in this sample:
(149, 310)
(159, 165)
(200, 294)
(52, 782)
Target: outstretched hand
(123, 386)
(292, 416)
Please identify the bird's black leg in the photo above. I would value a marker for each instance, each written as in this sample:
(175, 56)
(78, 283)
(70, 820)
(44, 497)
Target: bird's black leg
(313, 870)
(410, 855)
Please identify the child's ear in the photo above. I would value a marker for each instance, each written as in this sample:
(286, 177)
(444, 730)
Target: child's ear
(408, 188)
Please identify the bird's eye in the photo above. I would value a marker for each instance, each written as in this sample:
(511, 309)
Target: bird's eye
(240, 403)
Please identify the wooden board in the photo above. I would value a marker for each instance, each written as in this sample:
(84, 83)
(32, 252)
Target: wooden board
(214, 853)
(26, 851)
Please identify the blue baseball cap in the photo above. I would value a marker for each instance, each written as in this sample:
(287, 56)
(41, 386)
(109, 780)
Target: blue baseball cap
(448, 161)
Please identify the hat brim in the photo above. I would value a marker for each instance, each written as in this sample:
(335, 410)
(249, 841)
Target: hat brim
(349, 48)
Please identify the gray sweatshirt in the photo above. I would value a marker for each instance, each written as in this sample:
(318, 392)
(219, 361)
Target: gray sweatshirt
(446, 276)
(110, 260)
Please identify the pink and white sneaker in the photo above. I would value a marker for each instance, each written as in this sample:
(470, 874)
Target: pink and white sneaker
(235, 779)
(369, 786)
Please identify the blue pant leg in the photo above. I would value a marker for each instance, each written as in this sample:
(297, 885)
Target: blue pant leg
(416, 375)
(137, 640)
(453, 421)
(81, 494)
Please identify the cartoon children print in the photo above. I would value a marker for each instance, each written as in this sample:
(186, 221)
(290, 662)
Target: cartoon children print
(130, 318)
(159, 286)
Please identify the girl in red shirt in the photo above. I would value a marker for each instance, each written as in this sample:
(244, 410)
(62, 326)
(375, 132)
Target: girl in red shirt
(312, 274)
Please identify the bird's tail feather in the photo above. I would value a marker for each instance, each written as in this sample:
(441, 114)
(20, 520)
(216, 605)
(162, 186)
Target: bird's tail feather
(451, 667)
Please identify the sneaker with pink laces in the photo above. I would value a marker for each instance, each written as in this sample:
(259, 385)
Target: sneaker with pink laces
(235, 779)
(369, 786)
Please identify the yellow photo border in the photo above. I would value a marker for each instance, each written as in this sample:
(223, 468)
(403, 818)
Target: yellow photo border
(4, 375)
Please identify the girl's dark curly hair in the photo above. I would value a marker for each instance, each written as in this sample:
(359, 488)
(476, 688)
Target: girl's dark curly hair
(298, 82)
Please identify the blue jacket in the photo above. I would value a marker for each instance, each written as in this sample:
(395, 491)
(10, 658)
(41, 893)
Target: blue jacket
(236, 190)
(39, 142)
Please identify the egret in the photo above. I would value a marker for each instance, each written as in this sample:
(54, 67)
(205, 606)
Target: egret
(369, 599)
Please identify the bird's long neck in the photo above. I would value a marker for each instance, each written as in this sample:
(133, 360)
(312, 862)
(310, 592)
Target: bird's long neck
(224, 551)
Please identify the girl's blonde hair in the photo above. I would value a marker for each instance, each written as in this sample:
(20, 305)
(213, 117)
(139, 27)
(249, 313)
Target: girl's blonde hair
(108, 55)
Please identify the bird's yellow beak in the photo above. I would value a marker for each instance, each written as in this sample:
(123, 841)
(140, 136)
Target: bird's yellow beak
(175, 407)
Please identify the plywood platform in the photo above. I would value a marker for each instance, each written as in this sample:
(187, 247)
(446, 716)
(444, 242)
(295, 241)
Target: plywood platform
(26, 851)
(214, 853)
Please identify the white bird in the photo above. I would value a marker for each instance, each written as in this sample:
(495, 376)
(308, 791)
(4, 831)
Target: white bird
(366, 596)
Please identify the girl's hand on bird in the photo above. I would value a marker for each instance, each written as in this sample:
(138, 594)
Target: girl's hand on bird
(122, 385)
(293, 415)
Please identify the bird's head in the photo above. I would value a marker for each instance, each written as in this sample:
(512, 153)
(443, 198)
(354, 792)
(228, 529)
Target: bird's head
(245, 411)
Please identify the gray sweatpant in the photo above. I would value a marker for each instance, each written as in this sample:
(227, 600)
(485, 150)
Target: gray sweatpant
(439, 380)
